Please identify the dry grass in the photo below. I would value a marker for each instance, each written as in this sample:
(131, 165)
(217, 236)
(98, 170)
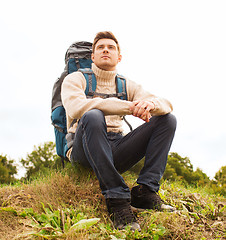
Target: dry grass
(58, 190)
(200, 215)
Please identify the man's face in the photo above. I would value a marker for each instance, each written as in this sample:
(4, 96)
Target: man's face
(106, 55)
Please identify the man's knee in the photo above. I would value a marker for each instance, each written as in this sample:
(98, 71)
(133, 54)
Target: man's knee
(171, 121)
(94, 118)
(167, 122)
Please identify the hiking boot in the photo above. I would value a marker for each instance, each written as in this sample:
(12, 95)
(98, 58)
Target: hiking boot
(121, 213)
(143, 198)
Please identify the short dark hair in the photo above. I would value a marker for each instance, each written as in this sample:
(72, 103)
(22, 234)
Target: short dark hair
(105, 35)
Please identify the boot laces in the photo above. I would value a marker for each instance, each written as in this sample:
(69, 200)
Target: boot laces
(124, 215)
(153, 196)
(121, 212)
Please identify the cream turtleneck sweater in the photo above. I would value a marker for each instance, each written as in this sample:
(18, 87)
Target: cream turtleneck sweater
(76, 104)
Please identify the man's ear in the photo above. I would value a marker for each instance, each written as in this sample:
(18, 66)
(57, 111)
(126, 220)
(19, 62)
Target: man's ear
(92, 57)
(119, 58)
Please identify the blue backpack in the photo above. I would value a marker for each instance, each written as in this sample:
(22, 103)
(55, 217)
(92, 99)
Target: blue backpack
(77, 58)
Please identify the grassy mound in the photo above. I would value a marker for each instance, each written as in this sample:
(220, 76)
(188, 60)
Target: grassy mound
(69, 205)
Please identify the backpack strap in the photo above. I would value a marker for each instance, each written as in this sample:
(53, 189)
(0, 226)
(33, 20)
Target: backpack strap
(91, 82)
(121, 87)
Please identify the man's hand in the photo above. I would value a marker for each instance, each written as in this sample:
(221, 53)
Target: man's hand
(142, 109)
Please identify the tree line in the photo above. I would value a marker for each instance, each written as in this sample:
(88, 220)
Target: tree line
(44, 157)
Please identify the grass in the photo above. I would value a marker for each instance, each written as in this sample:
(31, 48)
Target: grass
(69, 205)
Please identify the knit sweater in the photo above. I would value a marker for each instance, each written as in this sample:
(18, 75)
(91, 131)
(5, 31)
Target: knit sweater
(76, 104)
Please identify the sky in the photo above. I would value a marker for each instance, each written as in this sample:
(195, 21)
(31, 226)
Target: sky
(175, 49)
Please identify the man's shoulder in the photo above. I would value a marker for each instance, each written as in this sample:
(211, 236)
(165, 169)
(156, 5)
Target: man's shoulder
(74, 76)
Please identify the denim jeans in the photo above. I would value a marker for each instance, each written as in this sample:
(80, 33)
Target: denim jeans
(110, 154)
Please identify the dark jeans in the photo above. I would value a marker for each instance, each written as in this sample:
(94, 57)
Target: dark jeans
(110, 154)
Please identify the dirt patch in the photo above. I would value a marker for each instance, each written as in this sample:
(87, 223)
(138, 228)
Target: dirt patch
(11, 226)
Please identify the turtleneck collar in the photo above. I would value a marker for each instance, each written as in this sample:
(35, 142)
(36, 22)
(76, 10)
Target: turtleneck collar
(104, 77)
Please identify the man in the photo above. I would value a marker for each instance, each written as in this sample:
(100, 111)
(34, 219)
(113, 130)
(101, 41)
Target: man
(99, 143)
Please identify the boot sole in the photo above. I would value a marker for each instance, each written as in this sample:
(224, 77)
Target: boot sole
(164, 207)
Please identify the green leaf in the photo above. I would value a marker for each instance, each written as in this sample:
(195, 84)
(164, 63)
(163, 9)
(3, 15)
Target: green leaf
(9, 209)
(84, 224)
(23, 214)
(42, 218)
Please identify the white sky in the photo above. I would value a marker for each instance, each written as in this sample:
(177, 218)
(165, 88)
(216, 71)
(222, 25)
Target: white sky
(175, 49)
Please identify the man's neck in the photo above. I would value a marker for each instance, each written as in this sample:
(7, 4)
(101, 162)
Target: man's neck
(106, 75)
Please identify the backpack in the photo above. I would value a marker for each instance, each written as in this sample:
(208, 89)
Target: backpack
(77, 58)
